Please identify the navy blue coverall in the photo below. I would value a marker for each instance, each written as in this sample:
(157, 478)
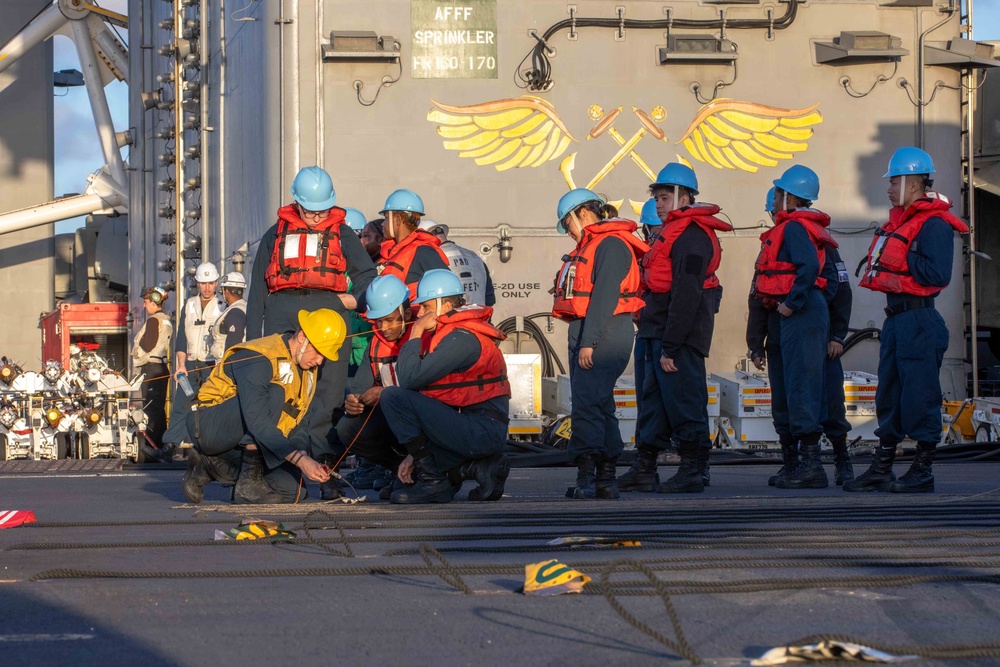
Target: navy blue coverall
(639, 351)
(796, 345)
(835, 424)
(908, 398)
(368, 434)
(198, 372)
(453, 437)
(277, 312)
(679, 325)
(251, 417)
(595, 426)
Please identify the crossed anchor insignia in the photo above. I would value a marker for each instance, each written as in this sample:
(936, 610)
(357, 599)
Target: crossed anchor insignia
(626, 147)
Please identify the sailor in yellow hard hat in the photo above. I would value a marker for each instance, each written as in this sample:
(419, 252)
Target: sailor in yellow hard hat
(253, 407)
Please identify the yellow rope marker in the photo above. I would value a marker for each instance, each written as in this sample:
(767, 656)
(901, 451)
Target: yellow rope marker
(552, 578)
(255, 530)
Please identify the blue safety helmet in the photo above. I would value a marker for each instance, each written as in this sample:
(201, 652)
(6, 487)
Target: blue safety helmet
(355, 219)
(404, 200)
(571, 201)
(648, 216)
(769, 201)
(313, 189)
(438, 283)
(675, 173)
(909, 161)
(800, 181)
(384, 295)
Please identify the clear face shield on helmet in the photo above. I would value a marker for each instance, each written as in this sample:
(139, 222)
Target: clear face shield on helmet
(573, 224)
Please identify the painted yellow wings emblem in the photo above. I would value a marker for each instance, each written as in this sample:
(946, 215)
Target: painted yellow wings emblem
(742, 135)
(518, 132)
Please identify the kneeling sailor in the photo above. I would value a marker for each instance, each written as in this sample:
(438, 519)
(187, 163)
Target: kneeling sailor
(256, 400)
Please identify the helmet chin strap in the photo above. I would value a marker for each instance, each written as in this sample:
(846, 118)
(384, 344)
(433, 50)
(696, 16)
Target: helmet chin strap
(390, 230)
(902, 189)
(674, 204)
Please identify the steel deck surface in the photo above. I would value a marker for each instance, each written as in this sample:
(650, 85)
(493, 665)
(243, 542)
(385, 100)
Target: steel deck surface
(345, 596)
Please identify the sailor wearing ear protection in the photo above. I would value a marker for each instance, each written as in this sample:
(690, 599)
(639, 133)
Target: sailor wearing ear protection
(150, 352)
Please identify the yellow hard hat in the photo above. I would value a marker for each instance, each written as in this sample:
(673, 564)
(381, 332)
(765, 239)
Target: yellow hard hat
(325, 329)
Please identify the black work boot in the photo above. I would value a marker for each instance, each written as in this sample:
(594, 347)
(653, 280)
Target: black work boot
(490, 473)
(251, 487)
(430, 485)
(918, 479)
(224, 468)
(586, 478)
(385, 493)
(202, 469)
(789, 459)
(810, 473)
(384, 478)
(842, 460)
(606, 484)
(642, 475)
(879, 475)
(704, 453)
(331, 488)
(196, 477)
(688, 478)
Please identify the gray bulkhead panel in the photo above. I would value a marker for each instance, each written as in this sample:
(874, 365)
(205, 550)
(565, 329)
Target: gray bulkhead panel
(286, 108)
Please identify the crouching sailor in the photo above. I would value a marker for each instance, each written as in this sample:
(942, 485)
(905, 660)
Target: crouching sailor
(248, 426)
(449, 410)
(363, 429)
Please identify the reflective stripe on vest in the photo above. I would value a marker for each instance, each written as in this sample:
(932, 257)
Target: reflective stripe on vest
(199, 337)
(299, 385)
(574, 283)
(487, 377)
(775, 278)
(217, 330)
(888, 268)
(656, 265)
(305, 258)
(383, 355)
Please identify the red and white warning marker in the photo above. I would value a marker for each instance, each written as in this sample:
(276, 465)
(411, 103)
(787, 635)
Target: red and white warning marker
(14, 518)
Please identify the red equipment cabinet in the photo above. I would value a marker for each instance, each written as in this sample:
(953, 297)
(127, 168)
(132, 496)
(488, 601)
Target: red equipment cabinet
(87, 324)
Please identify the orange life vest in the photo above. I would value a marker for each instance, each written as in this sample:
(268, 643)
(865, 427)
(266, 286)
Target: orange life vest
(656, 266)
(384, 354)
(775, 278)
(396, 258)
(487, 378)
(888, 268)
(305, 258)
(574, 283)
